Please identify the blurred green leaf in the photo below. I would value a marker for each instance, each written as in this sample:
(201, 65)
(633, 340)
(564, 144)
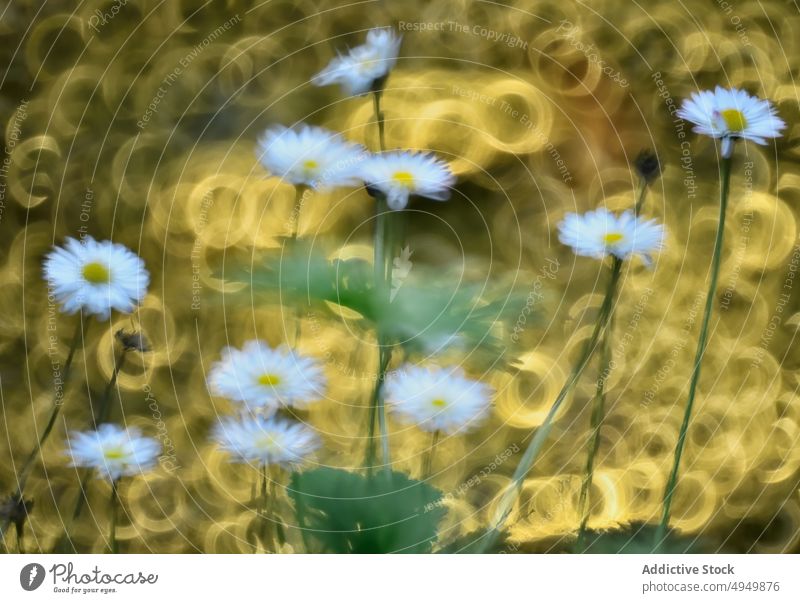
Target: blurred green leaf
(429, 311)
(352, 513)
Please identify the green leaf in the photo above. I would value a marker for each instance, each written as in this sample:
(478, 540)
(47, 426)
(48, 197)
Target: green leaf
(429, 310)
(305, 276)
(352, 513)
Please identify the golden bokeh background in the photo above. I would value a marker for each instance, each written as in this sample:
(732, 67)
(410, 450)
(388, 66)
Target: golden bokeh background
(137, 121)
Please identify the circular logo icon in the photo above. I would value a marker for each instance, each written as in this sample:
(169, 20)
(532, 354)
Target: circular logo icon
(31, 576)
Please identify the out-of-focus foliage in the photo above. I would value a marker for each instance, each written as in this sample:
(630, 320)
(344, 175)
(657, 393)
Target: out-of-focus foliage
(380, 513)
(425, 314)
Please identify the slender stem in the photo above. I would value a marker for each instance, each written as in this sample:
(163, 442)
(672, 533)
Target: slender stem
(428, 466)
(76, 338)
(114, 506)
(379, 117)
(267, 515)
(102, 416)
(78, 334)
(105, 401)
(598, 414)
(599, 403)
(377, 407)
(531, 453)
(377, 414)
(637, 209)
(263, 491)
(299, 192)
(280, 534)
(669, 491)
(20, 526)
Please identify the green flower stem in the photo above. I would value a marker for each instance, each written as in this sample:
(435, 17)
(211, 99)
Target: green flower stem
(299, 192)
(102, 416)
(637, 209)
(377, 411)
(532, 452)
(114, 510)
(379, 117)
(266, 512)
(599, 402)
(598, 414)
(428, 466)
(77, 337)
(105, 402)
(672, 482)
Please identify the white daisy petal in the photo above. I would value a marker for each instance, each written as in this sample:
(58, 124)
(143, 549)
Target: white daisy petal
(96, 277)
(599, 233)
(731, 115)
(264, 379)
(266, 441)
(311, 156)
(437, 399)
(400, 174)
(113, 451)
(363, 66)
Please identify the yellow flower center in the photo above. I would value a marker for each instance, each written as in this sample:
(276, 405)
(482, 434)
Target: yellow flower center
(613, 237)
(114, 454)
(268, 442)
(310, 165)
(405, 179)
(734, 120)
(439, 403)
(269, 379)
(367, 61)
(96, 273)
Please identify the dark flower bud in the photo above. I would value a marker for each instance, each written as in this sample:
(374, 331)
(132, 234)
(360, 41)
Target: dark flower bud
(647, 165)
(133, 341)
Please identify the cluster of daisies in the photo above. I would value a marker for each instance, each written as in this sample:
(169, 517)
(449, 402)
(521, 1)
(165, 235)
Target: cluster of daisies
(96, 278)
(318, 158)
(726, 115)
(267, 384)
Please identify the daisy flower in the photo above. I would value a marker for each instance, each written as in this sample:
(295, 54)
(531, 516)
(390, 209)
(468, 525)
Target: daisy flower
(264, 378)
(364, 67)
(599, 233)
(731, 115)
(437, 399)
(400, 174)
(113, 450)
(311, 156)
(266, 441)
(96, 277)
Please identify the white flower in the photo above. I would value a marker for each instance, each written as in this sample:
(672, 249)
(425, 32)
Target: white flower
(96, 277)
(266, 441)
(400, 174)
(730, 115)
(363, 67)
(599, 233)
(113, 450)
(437, 399)
(264, 379)
(311, 156)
